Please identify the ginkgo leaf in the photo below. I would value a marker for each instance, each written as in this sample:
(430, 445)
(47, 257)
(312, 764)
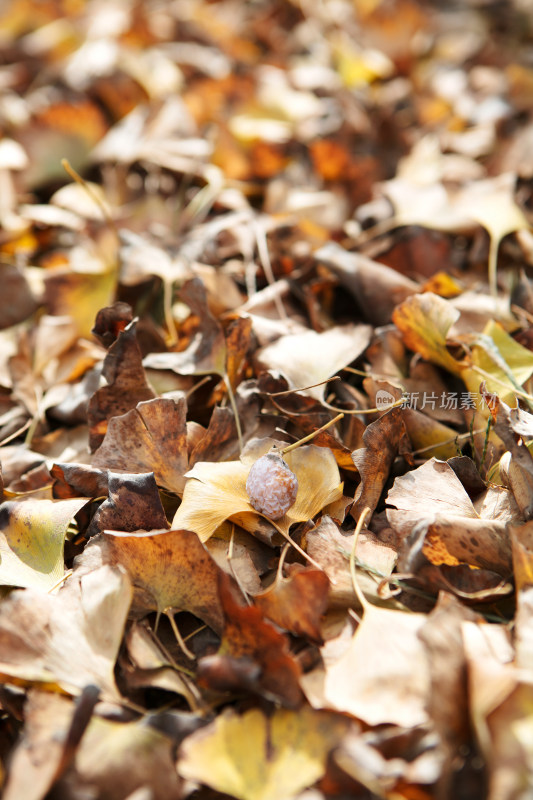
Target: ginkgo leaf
(61, 640)
(426, 201)
(382, 677)
(491, 203)
(150, 438)
(217, 492)
(83, 289)
(522, 544)
(32, 537)
(126, 384)
(114, 758)
(207, 350)
(251, 643)
(309, 358)
(255, 757)
(169, 570)
(133, 504)
(296, 603)
(424, 321)
(429, 436)
(503, 363)
(433, 495)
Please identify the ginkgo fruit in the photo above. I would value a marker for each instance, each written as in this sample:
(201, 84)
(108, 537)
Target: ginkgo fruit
(272, 486)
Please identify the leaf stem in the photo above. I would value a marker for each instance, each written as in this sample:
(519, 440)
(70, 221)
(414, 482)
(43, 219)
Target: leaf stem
(357, 589)
(312, 435)
(67, 166)
(177, 634)
(493, 265)
(233, 403)
(167, 310)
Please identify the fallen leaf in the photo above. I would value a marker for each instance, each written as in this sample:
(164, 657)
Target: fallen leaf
(249, 640)
(296, 603)
(59, 640)
(133, 504)
(519, 467)
(448, 698)
(503, 363)
(377, 289)
(501, 702)
(216, 492)
(309, 358)
(331, 550)
(78, 480)
(169, 570)
(110, 321)
(424, 321)
(383, 675)
(433, 496)
(381, 441)
(219, 439)
(255, 757)
(114, 758)
(17, 302)
(207, 351)
(522, 544)
(149, 438)
(32, 539)
(429, 437)
(80, 290)
(126, 385)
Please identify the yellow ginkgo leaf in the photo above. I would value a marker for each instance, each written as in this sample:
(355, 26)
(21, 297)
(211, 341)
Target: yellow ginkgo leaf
(216, 492)
(499, 360)
(491, 203)
(32, 538)
(424, 321)
(255, 757)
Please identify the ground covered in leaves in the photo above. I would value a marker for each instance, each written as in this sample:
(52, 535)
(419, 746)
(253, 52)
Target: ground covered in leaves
(228, 226)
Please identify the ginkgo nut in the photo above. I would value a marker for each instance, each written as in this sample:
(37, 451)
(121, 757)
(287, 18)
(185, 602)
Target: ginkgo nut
(272, 486)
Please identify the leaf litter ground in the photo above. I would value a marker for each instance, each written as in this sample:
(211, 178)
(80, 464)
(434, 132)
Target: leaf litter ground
(225, 228)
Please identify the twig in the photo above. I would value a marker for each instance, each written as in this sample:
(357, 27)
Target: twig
(312, 435)
(357, 589)
(65, 163)
(177, 634)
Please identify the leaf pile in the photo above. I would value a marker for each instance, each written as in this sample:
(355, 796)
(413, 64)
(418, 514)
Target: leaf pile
(224, 228)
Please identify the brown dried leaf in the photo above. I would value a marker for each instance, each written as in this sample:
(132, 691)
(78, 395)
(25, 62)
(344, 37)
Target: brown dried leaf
(432, 496)
(374, 461)
(133, 504)
(169, 570)
(378, 289)
(248, 638)
(207, 351)
(382, 677)
(309, 358)
(17, 302)
(150, 438)
(296, 603)
(448, 698)
(331, 549)
(115, 759)
(110, 321)
(126, 385)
